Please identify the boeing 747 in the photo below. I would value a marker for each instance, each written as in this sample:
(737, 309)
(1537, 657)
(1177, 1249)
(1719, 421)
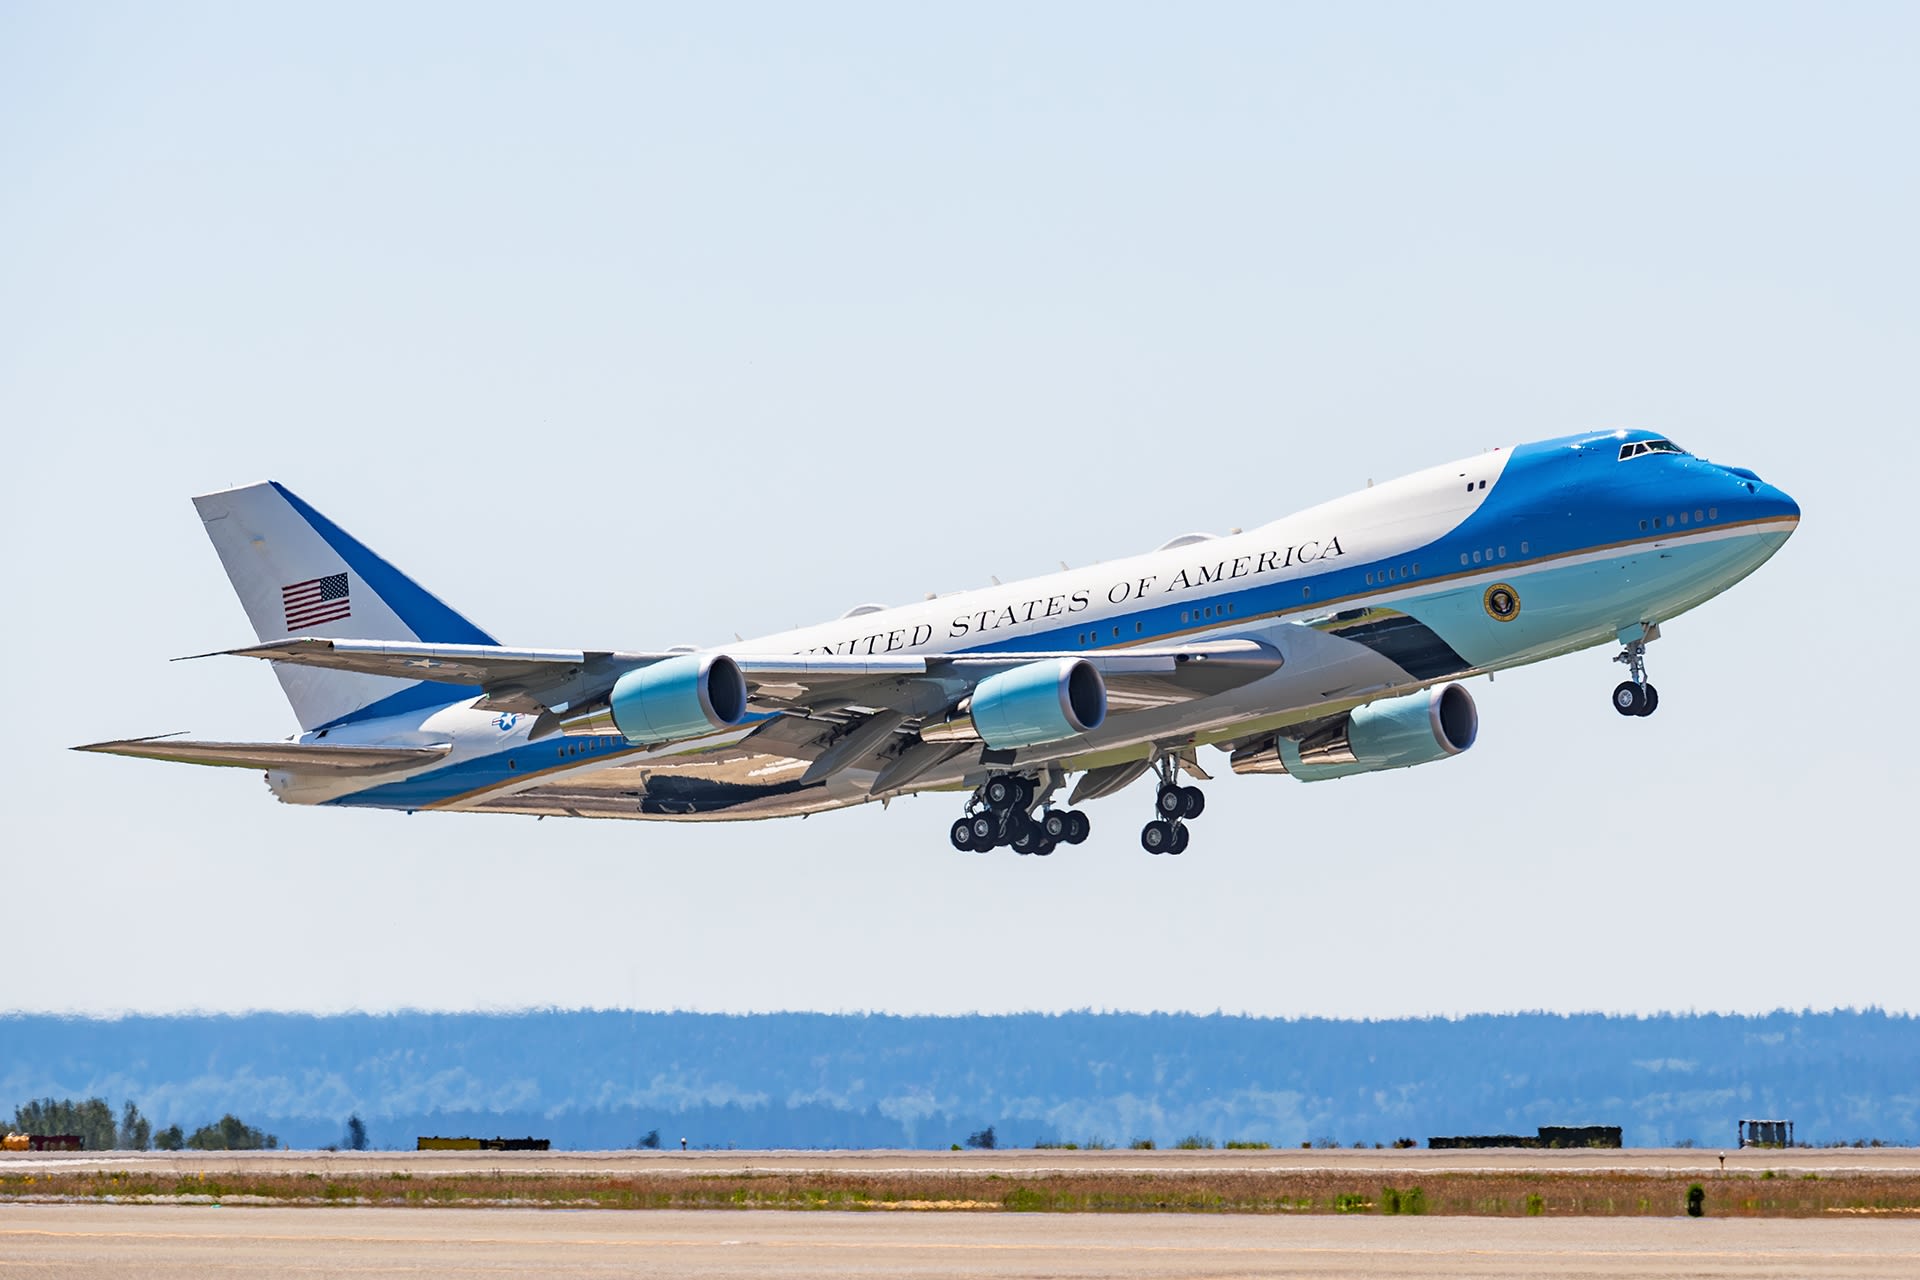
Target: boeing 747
(1327, 643)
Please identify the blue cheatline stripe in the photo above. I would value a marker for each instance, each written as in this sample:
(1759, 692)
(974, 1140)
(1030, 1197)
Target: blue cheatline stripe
(423, 695)
(426, 615)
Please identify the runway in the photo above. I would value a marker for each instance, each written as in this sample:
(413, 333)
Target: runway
(1794, 1161)
(174, 1241)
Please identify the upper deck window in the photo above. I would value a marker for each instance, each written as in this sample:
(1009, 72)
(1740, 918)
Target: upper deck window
(1638, 448)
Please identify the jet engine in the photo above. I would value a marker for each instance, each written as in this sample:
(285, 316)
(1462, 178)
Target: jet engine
(1040, 702)
(667, 701)
(1391, 734)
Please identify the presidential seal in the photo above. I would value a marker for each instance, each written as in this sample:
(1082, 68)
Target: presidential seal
(1502, 602)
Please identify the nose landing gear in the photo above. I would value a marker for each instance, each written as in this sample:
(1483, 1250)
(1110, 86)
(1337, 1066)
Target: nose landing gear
(1635, 696)
(1175, 806)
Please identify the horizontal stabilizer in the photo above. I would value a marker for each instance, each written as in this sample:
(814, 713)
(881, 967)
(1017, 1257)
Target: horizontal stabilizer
(293, 757)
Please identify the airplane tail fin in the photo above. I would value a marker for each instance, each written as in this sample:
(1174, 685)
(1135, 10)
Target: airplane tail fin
(299, 574)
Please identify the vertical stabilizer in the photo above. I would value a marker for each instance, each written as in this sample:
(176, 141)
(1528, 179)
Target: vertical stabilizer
(299, 574)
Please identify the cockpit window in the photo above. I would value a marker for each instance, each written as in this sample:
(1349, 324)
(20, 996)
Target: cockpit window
(1638, 448)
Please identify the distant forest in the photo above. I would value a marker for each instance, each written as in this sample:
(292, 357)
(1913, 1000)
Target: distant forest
(609, 1079)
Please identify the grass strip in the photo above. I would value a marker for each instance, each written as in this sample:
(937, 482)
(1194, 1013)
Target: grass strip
(1479, 1194)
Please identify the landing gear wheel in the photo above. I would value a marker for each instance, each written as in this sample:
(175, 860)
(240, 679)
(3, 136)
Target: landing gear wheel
(1628, 700)
(1077, 826)
(1652, 700)
(1196, 803)
(1056, 824)
(1002, 792)
(962, 835)
(1044, 848)
(1023, 836)
(985, 829)
(1157, 836)
(1180, 838)
(1171, 802)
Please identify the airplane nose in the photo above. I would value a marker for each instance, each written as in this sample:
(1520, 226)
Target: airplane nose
(1788, 507)
(1767, 501)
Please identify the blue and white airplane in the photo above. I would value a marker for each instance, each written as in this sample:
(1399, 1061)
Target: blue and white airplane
(1325, 644)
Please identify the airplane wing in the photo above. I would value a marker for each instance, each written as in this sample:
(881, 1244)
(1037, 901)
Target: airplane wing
(534, 681)
(292, 756)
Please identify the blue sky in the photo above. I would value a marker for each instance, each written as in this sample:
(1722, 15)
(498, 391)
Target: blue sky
(638, 326)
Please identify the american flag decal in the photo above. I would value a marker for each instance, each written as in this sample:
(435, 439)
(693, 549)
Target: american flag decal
(317, 600)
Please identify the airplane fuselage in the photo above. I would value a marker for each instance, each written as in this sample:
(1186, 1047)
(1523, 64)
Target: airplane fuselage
(1499, 560)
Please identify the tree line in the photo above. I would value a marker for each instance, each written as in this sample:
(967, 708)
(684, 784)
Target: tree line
(94, 1121)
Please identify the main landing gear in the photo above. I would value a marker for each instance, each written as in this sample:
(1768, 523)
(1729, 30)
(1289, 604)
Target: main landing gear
(1001, 812)
(1175, 806)
(1635, 696)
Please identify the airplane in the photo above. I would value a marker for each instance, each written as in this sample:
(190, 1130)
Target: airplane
(1328, 643)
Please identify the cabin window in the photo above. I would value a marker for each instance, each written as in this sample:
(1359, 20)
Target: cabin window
(1523, 551)
(1463, 557)
(1483, 484)
(1476, 557)
(1698, 515)
(1669, 522)
(1369, 579)
(1713, 513)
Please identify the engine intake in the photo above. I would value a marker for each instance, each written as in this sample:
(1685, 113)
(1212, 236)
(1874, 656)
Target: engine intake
(670, 700)
(1391, 734)
(1027, 706)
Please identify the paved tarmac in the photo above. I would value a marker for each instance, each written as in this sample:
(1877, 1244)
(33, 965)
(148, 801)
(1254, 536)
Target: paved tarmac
(1799, 1160)
(88, 1240)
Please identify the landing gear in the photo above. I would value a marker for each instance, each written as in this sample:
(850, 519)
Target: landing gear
(1631, 699)
(1175, 806)
(1635, 696)
(1002, 813)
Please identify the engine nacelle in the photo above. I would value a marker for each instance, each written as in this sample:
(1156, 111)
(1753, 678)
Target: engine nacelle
(1041, 702)
(675, 698)
(1392, 734)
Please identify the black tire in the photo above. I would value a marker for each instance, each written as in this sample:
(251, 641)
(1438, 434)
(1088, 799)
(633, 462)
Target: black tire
(1171, 802)
(1078, 826)
(1002, 793)
(1652, 696)
(1023, 836)
(1627, 699)
(1056, 824)
(985, 832)
(1196, 802)
(1157, 836)
(1044, 848)
(1027, 790)
(1180, 837)
(962, 835)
